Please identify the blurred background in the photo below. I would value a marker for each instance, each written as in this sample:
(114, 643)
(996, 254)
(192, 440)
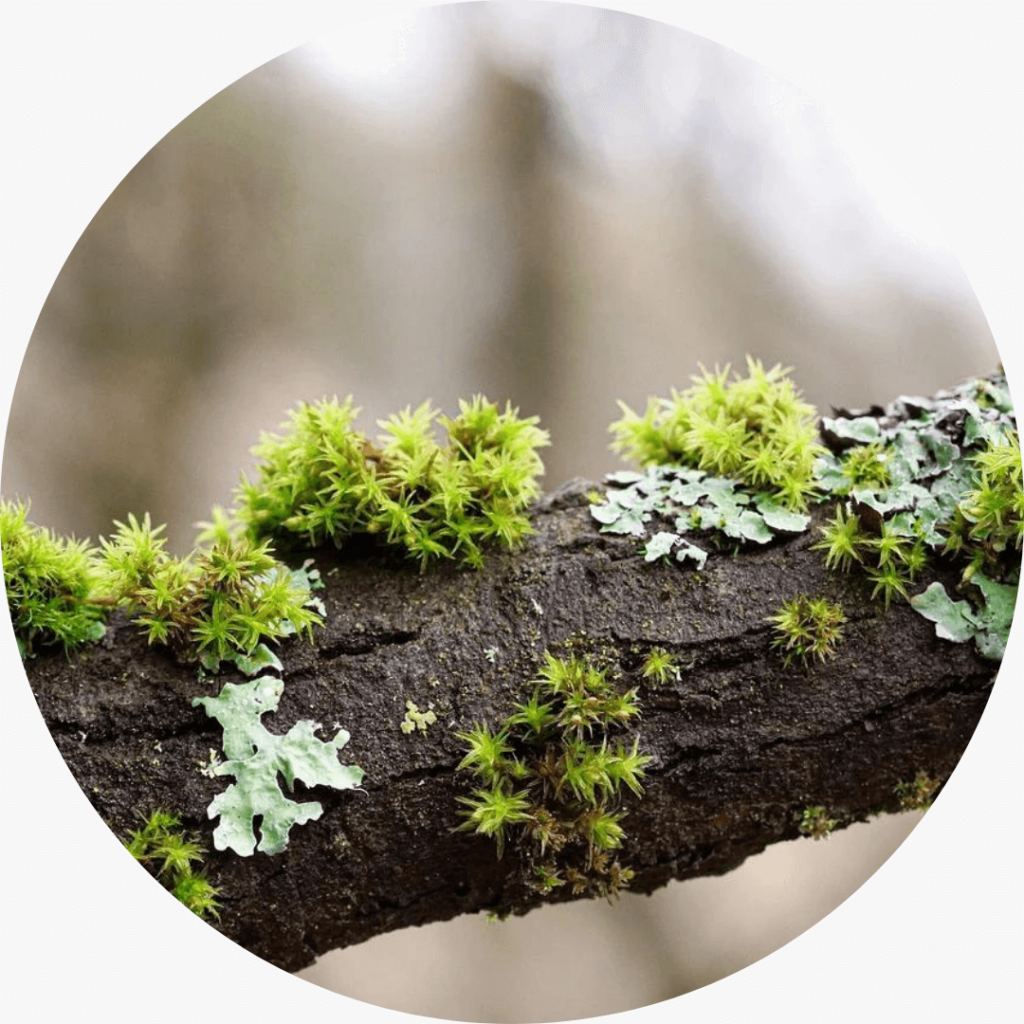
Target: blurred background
(551, 204)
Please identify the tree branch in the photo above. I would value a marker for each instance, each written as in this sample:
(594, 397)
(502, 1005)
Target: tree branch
(740, 745)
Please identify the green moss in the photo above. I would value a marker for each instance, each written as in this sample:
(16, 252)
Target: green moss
(807, 628)
(989, 521)
(218, 603)
(890, 558)
(660, 666)
(322, 480)
(919, 794)
(815, 822)
(416, 719)
(550, 774)
(50, 582)
(866, 466)
(755, 429)
(163, 846)
(939, 479)
(842, 540)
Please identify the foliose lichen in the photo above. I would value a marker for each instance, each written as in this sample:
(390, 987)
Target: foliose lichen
(415, 719)
(718, 511)
(921, 481)
(256, 757)
(951, 488)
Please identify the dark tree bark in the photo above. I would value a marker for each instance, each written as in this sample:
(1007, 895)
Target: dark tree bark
(740, 745)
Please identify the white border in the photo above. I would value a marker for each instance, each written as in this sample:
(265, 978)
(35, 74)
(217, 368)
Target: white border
(88, 88)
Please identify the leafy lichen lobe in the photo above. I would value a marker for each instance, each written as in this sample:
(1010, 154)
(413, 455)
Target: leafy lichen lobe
(256, 757)
(49, 580)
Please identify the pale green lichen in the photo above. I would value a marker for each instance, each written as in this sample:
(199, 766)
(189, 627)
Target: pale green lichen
(950, 487)
(416, 719)
(988, 625)
(989, 520)
(256, 757)
(693, 503)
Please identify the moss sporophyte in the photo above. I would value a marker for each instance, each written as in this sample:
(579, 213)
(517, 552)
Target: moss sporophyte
(550, 775)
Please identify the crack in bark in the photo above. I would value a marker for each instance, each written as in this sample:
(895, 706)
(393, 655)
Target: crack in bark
(366, 642)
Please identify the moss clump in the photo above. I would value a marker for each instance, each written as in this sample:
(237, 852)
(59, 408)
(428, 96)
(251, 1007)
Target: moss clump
(49, 581)
(989, 521)
(218, 603)
(162, 845)
(815, 822)
(322, 480)
(931, 477)
(549, 772)
(919, 794)
(866, 466)
(755, 429)
(890, 559)
(660, 666)
(807, 628)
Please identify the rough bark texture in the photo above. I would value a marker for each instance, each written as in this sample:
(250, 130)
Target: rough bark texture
(740, 745)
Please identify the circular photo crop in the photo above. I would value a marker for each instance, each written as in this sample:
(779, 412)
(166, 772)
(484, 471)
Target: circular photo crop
(554, 520)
